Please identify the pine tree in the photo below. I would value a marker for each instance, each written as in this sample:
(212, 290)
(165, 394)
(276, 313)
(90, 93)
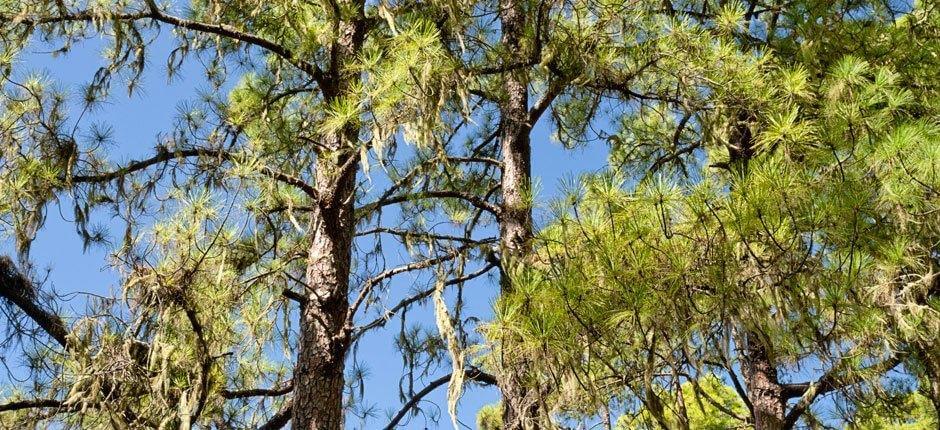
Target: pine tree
(745, 227)
(245, 215)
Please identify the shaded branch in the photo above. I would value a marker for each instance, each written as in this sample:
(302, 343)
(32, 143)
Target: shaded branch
(280, 419)
(30, 404)
(19, 290)
(295, 296)
(280, 390)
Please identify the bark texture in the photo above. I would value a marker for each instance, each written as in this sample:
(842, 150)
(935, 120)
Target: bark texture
(764, 389)
(324, 340)
(520, 409)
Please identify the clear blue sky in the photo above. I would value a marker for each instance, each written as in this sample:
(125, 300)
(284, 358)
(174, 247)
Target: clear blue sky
(137, 121)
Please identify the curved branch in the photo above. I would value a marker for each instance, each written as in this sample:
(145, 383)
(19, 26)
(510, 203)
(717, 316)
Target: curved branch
(433, 194)
(380, 321)
(417, 265)
(280, 419)
(472, 374)
(426, 236)
(831, 381)
(156, 14)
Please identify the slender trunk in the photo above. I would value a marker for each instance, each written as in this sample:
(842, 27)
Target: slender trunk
(760, 373)
(319, 372)
(928, 355)
(519, 405)
(930, 352)
(763, 387)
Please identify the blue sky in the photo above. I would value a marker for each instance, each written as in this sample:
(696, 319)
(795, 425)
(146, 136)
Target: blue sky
(138, 120)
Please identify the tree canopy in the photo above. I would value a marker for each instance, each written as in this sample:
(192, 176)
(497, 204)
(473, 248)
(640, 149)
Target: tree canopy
(759, 249)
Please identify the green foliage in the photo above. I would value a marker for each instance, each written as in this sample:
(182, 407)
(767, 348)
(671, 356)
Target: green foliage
(767, 202)
(911, 412)
(709, 407)
(773, 183)
(490, 417)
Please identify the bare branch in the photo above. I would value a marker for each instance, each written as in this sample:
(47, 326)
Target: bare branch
(30, 404)
(426, 236)
(280, 419)
(417, 265)
(279, 390)
(473, 374)
(433, 194)
(388, 315)
(555, 87)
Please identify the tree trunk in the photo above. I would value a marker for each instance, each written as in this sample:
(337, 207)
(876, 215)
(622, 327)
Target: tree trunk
(928, 355)
(519, 406)
(763, 387)
(319, 381)
(319, 372)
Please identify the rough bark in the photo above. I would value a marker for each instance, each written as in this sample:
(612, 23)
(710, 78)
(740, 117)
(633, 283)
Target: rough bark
(764, 389)
(324, 340)
(519, 407)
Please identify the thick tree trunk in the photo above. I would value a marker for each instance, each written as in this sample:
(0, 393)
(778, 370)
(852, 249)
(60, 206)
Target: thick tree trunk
(763, 387)
(319, 372)
(519, 405)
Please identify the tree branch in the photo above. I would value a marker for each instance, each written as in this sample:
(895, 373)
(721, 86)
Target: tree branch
(830, 381)
(163, 155)
(30, 404)
(417, 265)
(279, 390)
(156, 14)
(426, 236)
(555, 87)
(433, 194)
(16, 288)
(280, 419)
(380, 321)
(473, 374)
